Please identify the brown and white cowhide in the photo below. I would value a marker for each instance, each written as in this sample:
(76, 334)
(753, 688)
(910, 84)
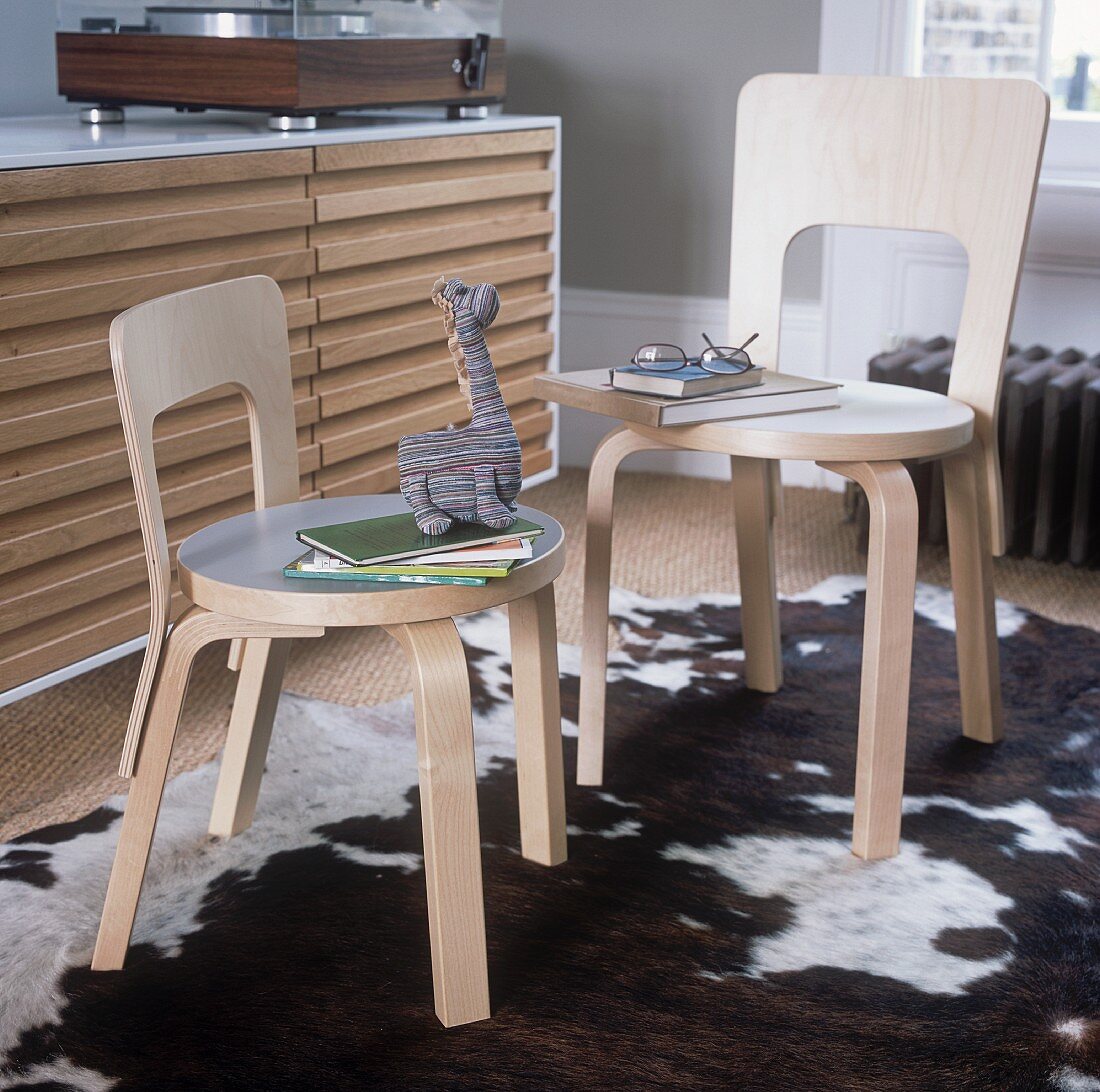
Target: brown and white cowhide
(710, 930)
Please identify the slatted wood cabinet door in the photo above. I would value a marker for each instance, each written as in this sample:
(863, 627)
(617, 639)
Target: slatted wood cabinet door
(78, 245)
(392, 216)
(355, 234)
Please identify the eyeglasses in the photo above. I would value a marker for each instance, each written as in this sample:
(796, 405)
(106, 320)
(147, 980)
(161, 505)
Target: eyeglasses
(716, 359)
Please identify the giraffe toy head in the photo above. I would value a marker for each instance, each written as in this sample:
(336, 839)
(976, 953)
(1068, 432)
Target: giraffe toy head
(481, 300)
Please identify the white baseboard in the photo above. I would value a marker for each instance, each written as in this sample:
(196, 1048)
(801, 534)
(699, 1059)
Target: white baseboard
(608, 326)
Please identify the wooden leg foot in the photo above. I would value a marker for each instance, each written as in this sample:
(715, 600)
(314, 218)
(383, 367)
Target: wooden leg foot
(537, 700)
(887, 654)
(248, 736)
(146, 789)
(597, 585)
(752, 509)
(975, 606)
(448, 800)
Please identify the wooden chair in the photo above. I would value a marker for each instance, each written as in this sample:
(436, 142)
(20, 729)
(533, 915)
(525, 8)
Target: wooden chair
(948, 155)
(172, 349)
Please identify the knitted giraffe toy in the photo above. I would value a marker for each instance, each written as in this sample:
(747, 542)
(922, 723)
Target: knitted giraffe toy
(469, 474)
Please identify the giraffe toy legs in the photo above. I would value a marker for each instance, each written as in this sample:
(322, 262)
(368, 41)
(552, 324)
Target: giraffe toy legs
(430, 518)
(490, 510)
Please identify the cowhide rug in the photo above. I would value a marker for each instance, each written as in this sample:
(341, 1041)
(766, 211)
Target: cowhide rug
(710, 930)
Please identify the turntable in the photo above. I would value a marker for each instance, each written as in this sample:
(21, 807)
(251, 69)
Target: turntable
(292, 59)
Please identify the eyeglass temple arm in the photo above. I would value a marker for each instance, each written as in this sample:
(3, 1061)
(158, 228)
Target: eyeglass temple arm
(706, 338)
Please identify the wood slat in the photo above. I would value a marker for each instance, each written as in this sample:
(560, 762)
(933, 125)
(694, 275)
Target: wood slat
(111, 236)
(74, 523)
(373, 178)
(103, 568)
(76, 634)
(73, 376)
(101, 268)
(391, 223)
(340, 157)
(386, 377)
(391, 339)
(42, 215)
(410, 289)
(136, 176)
(91, 299)
(432, 240)
(427, 194)
(48, 472)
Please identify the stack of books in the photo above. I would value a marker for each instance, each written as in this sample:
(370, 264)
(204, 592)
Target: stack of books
(689, 396)
(392, 550)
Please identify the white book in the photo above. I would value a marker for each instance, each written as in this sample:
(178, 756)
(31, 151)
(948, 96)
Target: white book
(476, 554)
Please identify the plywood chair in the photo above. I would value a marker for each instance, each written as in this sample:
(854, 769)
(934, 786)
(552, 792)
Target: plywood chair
(172, 349)
(955, 156)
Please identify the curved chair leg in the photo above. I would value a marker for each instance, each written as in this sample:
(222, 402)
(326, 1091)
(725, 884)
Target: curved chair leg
(235, 659)
(448, 801)
(971, 547)
(246, 741)
(614, 447)
(753, 510)
(887, 654)
(195, 629)
(537, 699)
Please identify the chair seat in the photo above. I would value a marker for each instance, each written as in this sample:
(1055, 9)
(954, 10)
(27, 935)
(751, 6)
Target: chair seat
(874, 422)
(235, 567)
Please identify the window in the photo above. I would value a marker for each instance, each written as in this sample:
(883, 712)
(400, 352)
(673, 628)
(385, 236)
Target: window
(1056, 42)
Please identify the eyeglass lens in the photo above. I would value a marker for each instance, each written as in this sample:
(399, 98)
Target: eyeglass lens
(660, 358)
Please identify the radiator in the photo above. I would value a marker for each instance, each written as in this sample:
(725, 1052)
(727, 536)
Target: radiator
(1049, 440)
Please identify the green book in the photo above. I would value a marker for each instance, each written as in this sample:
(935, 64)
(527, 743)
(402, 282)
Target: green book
(494, 571)
(382, 578)
(386, 538)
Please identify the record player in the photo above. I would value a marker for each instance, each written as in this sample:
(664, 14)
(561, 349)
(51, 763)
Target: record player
(292, 59)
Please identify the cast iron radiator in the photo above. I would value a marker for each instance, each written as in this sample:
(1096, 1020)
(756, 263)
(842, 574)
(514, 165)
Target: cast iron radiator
(1049, 439)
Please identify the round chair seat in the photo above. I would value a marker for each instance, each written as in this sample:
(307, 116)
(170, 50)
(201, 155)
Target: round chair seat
(874, 422)
(235, 567)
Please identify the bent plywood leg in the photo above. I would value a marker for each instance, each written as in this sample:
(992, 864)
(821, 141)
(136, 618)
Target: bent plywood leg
(753, 505)
(248, 735)
(970, 543)
(597, 586)
(537, 700)
(235, 659)
(887, 654)
(448, 801)
(188, 635)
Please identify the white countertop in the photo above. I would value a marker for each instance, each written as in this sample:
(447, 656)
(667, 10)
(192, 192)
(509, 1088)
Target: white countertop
(155, 133)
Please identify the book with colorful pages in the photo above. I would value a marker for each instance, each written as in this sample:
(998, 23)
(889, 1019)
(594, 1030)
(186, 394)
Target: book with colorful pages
(294, 569)
(513, 549)
(387, 538)
(318, 561)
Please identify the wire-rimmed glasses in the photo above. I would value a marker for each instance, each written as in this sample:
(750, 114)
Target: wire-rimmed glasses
(716, 359)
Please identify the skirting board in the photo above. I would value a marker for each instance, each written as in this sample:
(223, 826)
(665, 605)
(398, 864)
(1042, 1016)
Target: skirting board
(606, 327)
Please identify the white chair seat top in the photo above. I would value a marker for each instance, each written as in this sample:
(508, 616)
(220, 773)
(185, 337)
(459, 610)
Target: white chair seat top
(874, 421)
(235, 567)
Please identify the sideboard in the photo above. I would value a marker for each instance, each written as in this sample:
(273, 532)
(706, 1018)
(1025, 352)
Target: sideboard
(354, 223)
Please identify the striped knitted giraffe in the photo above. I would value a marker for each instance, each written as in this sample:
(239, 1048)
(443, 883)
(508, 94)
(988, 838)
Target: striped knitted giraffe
(469, 474)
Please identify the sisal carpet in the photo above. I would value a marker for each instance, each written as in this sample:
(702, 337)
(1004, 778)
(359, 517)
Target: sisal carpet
(710, 929)
(673, 536)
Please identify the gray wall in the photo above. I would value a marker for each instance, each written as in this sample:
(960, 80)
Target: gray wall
(28, 70)
(647, 91)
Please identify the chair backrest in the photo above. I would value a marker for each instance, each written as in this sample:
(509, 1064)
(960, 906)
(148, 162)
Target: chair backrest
(168, 350)
(958, 156)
